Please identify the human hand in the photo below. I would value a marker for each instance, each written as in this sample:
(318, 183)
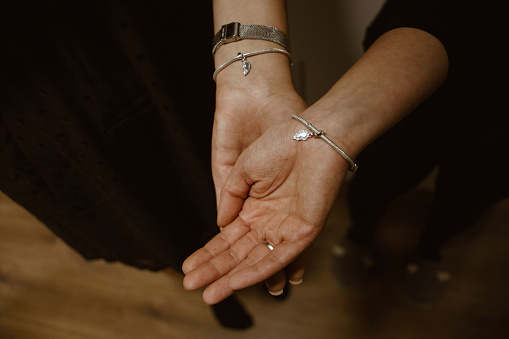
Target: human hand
(247, 106)
(242, 114)
(280, 191)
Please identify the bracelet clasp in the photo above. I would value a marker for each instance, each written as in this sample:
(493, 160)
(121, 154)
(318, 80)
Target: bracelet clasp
(230, 32)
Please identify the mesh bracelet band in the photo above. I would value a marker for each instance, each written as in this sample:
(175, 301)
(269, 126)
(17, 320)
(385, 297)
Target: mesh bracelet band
(234, 31)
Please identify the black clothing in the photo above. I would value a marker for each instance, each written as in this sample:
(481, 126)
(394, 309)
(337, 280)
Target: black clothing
(106, 111)
(475, 35)
(463, 128)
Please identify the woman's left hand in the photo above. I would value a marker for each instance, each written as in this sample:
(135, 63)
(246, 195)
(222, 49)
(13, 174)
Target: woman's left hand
(279, 192)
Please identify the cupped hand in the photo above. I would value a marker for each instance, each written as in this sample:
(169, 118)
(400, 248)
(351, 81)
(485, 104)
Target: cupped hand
(280, 192)
(242, 115)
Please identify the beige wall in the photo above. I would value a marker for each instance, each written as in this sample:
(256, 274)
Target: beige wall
(326, 37)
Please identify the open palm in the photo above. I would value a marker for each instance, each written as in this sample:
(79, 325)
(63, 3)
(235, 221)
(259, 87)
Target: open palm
(280, 191)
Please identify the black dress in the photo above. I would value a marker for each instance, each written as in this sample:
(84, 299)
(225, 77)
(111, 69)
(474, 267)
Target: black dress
(106, 113)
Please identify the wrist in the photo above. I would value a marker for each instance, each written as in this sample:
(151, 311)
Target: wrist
(316, 151)
(338, 126)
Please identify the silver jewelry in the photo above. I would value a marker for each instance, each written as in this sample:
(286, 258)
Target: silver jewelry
(246, 65)
(305, 134)
(269, 246)
(234, 31)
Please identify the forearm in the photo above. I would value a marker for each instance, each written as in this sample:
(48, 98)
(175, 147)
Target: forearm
(399, 71)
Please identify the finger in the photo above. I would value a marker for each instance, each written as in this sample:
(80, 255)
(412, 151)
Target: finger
(218, 186)
(219, 176)
(220, 289)
(276, 283)
(234, 193)
(217, 292)
(282, 255)
(295, 271)
(220, 243)
(221, 264)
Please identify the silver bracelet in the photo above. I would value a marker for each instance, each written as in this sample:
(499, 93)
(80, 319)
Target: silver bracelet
(305, 134)
(234, 31)
(246, 65)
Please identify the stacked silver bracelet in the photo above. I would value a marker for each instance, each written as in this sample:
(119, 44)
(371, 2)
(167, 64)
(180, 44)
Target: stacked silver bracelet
(235, 31)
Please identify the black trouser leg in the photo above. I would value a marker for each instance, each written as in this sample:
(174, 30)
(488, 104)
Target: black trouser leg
(392, 165)
(465, 188)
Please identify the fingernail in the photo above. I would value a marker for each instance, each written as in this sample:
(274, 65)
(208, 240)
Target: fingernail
(276, 293)
(295, 282)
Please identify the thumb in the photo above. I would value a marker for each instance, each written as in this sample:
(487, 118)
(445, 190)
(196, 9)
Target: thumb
(219, 180)
(233, 194)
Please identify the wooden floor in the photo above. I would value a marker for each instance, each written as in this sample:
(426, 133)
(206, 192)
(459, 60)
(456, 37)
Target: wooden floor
(48, 291)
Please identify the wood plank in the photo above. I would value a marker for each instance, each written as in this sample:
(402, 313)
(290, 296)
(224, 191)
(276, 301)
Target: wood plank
(49, 291)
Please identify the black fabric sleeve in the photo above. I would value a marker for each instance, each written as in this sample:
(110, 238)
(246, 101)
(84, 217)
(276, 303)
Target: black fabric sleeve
(461, 26)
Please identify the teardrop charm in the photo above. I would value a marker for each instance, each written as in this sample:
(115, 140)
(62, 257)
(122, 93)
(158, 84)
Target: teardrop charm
(246, 65)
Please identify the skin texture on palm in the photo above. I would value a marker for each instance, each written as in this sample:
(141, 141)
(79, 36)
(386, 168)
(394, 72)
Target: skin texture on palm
(271, 196)
(241, 117)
